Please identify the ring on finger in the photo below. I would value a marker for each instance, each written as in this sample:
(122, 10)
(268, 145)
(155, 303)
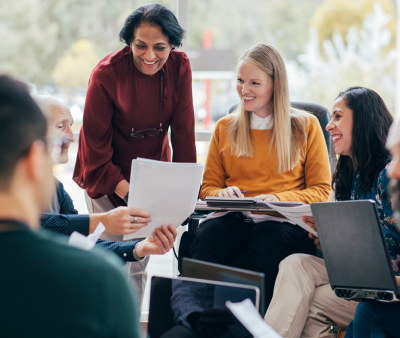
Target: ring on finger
(135, 219)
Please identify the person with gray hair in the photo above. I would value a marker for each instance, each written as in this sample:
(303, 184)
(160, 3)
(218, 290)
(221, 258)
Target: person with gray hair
(62, 218)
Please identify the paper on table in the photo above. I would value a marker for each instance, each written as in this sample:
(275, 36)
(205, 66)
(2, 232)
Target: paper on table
(168, 191)
(86, 242)
(248, 315)
(295, 214)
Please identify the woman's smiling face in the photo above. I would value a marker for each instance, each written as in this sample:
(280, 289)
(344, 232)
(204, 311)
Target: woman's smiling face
(255, 88)
(341, 127)
(150, 48)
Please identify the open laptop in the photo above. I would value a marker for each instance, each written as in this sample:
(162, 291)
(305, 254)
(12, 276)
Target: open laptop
(194, 268)
(172, 299)
(354, 250)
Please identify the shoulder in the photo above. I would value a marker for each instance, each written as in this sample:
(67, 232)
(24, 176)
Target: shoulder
(312, 124)
(224, 122)
(105, 67)
(179, 64)
(383, 180)
(311, 120)
(220, 132)
(179, 58)
(76, 261)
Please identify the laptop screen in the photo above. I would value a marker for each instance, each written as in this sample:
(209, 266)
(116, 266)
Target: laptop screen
(353, 245)
(193, 268)
(186, 307)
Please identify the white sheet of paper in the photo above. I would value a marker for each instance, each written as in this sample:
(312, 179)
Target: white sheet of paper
(248, 315)
(295, 214)
(168, 191)
(86, 242)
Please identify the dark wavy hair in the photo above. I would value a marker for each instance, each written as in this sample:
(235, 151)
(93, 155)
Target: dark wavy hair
(156, 15)
(371, 122)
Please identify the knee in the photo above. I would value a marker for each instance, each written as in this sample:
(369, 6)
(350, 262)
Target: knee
(293, 262)
(365, 311)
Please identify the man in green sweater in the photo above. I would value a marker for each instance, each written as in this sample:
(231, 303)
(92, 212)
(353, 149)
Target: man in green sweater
(48, 289)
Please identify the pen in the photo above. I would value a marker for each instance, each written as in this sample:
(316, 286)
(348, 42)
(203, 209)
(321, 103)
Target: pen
(243, 191)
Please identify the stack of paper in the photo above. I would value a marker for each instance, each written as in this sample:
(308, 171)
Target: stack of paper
(245, 202)
(295, 214)
(168, 191)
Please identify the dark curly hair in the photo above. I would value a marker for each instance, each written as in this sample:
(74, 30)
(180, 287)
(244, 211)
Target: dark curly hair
(371, 122)
(157, 15)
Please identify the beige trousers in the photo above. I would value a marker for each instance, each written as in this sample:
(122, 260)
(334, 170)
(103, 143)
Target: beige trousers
(303, 304)
(135, 270)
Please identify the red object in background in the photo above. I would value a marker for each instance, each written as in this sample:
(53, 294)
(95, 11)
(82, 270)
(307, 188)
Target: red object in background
(207, 39)
(207, 119)
(207, 44)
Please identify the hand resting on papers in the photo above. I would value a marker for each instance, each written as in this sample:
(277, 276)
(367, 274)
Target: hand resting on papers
(121, 221)
(310, 222)
(159, 244)
(268, 198)
(233, 192)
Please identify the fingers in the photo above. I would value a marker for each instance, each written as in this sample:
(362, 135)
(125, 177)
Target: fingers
(268, 198)
(317, 243)
(166, 236)
(230, 192)
(138, 212)
(174, 231)
(308, 219)
(139, 220)
(237, 191)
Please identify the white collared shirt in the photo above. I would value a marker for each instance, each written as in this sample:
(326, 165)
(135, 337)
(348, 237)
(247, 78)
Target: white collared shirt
(260, 122)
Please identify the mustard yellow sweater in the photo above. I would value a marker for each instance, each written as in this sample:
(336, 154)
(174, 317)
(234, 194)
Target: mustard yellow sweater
(308, 182)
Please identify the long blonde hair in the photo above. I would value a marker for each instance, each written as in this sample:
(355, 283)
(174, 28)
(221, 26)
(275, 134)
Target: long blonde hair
(288, 134)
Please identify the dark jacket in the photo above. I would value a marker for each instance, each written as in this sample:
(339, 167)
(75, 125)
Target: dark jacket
(50, 289)
(68, 221)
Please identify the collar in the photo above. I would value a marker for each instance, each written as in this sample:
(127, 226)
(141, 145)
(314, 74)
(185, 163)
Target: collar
(261, 123)
(8, 225)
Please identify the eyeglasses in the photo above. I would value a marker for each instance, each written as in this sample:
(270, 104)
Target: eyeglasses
(153, 132)
(146, 133)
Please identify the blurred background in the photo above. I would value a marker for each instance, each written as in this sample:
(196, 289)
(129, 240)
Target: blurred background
(328, 46)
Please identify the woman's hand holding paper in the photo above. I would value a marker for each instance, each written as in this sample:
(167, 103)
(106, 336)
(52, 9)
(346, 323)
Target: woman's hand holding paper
(162, 241)
(310, 222)
(268, 198)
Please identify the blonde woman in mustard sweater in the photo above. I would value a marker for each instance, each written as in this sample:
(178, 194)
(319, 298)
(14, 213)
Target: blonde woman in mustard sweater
(273, 152)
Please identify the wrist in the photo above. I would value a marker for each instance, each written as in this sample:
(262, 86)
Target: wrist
(140, 251)
(122, 188)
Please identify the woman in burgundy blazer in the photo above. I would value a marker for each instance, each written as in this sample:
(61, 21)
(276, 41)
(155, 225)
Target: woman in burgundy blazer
(134, 96)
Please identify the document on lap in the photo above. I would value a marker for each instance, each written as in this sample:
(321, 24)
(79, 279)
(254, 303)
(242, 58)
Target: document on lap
(86, 242)
(293, 211)
(246, 202)
(248, 315)
(295, 214)
(168, 191)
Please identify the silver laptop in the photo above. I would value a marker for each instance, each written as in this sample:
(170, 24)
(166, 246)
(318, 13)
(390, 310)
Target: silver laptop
(354, 250)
